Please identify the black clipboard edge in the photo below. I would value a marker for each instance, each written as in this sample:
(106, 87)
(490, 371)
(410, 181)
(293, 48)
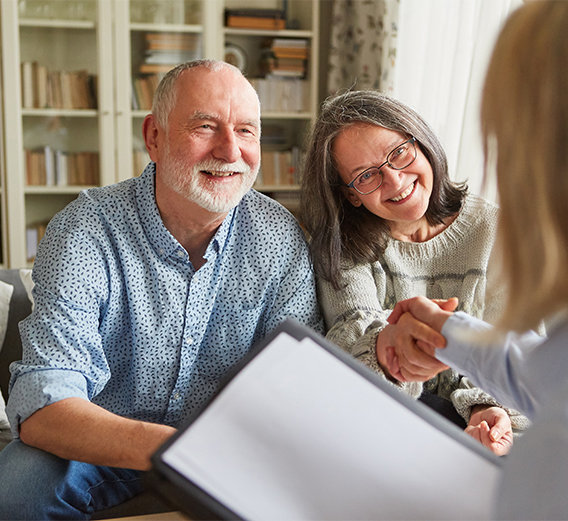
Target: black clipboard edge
(195, 502)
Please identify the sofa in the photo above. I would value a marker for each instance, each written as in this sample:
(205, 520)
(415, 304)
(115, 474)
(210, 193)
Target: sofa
(15, 305)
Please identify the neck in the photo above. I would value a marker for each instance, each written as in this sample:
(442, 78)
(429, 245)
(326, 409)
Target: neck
(189, 223)
(418, 231)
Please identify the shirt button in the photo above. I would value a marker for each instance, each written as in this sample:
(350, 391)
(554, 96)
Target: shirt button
(189, 340)
(180, 253)
(176, 396)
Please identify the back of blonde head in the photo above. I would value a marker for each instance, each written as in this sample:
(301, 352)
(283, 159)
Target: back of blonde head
(525, 116)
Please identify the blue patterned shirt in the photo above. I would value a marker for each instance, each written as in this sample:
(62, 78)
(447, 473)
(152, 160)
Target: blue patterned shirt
(122, 318)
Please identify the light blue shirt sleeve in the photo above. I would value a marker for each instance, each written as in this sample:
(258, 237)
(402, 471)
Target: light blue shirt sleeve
(500, 369)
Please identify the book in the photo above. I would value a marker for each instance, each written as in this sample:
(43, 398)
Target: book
(301, 430)
(255, 22)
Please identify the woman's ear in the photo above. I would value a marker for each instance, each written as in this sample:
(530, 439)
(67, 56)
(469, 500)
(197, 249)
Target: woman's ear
(352, 197)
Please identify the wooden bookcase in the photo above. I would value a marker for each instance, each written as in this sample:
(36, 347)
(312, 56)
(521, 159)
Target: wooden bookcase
(108, 41)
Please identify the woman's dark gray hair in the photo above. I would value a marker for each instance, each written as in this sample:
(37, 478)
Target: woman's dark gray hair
(340, 232)
(164, 97)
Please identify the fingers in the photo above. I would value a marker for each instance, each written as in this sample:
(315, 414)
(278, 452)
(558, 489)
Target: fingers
(491, 426)
(413, 350)
(450, 304)
(432, 312)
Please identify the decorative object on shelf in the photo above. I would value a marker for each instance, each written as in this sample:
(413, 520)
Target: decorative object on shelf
(236, 56)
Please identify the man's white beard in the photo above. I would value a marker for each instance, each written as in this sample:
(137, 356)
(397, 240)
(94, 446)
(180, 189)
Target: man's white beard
(189, 182)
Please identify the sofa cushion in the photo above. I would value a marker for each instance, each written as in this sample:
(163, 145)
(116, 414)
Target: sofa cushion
(6, 291)
(16, 308)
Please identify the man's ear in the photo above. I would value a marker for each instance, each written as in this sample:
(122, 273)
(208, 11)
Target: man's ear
(150, 132)
(352, 196)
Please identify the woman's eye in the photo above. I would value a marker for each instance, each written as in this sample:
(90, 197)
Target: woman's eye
(399, 151)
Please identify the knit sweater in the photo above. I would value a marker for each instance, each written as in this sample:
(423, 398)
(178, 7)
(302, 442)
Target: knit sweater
(454, 263)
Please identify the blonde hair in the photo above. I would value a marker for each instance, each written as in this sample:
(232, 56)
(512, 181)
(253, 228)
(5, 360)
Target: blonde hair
(524, 115)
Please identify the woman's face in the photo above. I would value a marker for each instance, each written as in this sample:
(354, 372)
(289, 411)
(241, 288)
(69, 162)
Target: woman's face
(403, 197)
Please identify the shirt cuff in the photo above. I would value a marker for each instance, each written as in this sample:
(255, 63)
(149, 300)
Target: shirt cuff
(35, 390)
(460, 331)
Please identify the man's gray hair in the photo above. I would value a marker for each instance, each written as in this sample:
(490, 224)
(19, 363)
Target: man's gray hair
(164, 97)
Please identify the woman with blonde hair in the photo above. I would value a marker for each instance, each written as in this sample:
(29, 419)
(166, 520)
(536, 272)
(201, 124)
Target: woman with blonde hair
(525, 127)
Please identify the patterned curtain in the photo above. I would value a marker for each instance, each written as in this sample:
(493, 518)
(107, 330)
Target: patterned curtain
(362, 50)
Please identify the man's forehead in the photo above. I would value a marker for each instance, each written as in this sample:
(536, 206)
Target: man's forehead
(213, 92)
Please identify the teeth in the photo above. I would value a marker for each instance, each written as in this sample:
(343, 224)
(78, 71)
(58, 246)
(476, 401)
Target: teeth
(219, 174)
(404, 194)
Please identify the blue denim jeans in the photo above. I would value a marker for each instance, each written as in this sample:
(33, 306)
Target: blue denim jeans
(37, 485)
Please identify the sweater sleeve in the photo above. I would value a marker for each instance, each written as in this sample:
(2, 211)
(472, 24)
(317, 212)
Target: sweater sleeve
(354, 317)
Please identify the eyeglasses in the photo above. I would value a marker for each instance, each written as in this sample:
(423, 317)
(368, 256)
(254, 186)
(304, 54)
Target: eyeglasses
(371, 179)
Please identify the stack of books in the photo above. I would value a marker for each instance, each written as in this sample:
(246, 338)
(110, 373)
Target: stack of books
(286, 57)
(46, 166)
(282, 94)
(163, 52)
(166, 50)
(279, 168)
(269, 19)
(42, 89)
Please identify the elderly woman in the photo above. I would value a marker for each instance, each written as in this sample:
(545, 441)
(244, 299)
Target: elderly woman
(386, 224)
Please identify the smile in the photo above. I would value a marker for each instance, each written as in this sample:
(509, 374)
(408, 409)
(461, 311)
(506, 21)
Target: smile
(218, 173)
(404, 194)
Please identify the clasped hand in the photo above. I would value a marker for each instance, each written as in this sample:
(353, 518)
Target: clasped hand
(406, 348)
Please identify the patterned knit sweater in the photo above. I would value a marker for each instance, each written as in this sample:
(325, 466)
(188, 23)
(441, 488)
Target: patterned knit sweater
(454, 263)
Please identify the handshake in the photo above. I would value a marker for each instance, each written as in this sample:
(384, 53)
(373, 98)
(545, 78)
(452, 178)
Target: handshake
(406, 348)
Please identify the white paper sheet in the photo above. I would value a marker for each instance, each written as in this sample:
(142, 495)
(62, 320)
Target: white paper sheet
(298, 434)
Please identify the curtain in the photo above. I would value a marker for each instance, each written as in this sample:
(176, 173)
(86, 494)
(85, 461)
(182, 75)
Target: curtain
(362, 48)
(443, 49)
(430, 54)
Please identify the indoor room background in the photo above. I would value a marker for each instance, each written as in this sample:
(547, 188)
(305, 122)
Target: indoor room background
(78, 78)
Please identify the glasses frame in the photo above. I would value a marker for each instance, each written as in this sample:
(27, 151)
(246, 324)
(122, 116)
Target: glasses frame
(411, 140)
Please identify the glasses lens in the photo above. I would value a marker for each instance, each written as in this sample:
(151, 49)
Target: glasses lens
(402, 156)
(368, 181)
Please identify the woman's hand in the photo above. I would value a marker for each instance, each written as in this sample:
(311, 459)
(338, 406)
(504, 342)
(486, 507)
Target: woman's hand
(405, 350)
(491, 426)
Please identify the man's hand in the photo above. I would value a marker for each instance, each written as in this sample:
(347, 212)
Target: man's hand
(406, 347)
(491, 426)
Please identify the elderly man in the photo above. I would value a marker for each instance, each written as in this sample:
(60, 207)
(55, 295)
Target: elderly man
(146, 293)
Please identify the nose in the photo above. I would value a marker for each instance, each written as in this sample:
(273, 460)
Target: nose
(226, 147)
(391, 177)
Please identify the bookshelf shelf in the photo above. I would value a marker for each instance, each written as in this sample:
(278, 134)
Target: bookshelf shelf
(57, 24)
(65, 113)
(166, 28)
(283, 33)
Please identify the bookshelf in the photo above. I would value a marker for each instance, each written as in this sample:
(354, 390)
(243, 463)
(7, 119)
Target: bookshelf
(78, 76)
(289, 100)
(58, 105)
